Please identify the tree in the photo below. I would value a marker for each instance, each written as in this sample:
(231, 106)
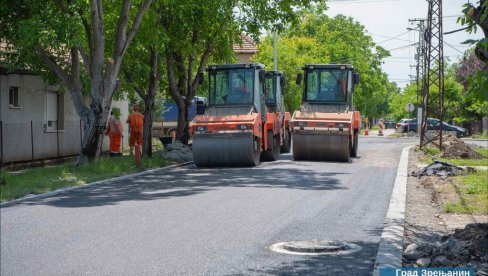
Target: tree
(321, 39)
(82, 44)
(473, 107)
(196, 32)
(477, 16)
(143, 69)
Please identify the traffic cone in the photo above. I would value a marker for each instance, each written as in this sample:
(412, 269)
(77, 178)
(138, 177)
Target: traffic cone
(366, 132)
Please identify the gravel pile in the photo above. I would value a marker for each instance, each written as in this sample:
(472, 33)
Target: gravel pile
(463, 247)
(178, 152)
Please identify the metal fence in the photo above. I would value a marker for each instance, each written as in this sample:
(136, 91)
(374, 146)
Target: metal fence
(34, 140)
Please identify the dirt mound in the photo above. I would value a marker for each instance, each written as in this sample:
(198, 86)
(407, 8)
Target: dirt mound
(456, 148)
(476, 235)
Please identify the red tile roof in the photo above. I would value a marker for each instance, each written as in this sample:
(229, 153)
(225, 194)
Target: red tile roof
(248, 46)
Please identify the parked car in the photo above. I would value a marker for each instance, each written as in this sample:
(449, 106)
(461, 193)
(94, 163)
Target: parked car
(400, 125)
(433, 124)
(389, 124)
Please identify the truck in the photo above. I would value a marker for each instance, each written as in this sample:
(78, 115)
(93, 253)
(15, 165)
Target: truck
(165, 129)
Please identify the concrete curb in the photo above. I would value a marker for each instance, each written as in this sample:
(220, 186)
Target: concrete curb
(390, 250)
(105, 181)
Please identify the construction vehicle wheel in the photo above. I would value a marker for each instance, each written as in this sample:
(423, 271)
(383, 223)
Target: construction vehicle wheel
(321, 147)
(211, 150)
(285, 148)
(256, 151)
(273, 153)
(354, 147)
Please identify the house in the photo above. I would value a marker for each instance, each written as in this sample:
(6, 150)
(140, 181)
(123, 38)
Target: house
(38, 120)
(246, 51)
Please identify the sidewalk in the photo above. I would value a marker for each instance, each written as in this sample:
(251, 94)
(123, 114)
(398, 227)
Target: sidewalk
(374, 133)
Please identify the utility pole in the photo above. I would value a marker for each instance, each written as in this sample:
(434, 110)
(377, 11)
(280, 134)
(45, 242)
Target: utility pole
(275, 60)
(420, 56)
(433, 81)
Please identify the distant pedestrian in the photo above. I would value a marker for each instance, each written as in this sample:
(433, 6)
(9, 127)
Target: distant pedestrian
(136, 122)
(115, 131)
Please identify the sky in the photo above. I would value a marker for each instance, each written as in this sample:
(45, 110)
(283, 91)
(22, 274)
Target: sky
(384, 19)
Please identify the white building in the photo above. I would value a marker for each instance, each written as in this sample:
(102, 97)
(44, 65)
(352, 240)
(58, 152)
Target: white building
(38, 120)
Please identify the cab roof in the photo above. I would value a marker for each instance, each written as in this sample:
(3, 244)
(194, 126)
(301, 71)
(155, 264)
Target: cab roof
(328, 66)
(235, 66)
(274, 73)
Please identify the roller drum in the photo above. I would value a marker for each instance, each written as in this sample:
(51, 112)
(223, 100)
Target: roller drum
(321, 147)
(225, 149)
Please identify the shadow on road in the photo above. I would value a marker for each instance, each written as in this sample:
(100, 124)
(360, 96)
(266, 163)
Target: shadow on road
(181, 182)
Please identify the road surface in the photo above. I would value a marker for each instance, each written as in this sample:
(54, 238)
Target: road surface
(192, 221)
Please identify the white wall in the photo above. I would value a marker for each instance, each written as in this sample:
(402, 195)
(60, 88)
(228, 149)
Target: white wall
(24, 136)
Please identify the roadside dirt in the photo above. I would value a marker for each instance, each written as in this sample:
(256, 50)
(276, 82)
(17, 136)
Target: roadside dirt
(456, 148)
(427, 225)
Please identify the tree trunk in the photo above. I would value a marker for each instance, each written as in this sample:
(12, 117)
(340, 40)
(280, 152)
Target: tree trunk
(91, 137)
(147, 134)
(182, 126)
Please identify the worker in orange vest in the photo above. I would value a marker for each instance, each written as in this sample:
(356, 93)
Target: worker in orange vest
(381, 126)
(115, 131)
(136, 122)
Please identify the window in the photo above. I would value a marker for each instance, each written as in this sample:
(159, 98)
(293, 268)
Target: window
(231, 87)
(54, 111)
(326, 86)
(270, 89)
(14, 97)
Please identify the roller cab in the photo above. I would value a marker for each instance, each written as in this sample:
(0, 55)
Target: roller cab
(326, 127)
(232, 130)
(277, 120)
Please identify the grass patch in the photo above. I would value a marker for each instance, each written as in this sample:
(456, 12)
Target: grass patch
(466, 162)
(470, 162)
(482, 151)
(472, 190)
(41, 180)
(483, 135)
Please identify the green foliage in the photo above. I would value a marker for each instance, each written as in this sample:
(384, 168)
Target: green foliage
(399, 99)
(483, 135)
(319, 39)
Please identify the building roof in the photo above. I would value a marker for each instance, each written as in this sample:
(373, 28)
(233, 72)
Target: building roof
(248, 46)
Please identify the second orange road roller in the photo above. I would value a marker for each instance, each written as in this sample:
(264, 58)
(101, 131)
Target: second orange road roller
(235, 129)
(277, 119)
(326, 127)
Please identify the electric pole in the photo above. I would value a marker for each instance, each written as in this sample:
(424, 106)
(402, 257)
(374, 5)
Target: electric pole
(433, 81)
(419, 56)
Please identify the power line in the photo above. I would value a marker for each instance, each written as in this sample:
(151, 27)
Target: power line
(401, 47)
(388, 37)
(394, 37)
(452, 47)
